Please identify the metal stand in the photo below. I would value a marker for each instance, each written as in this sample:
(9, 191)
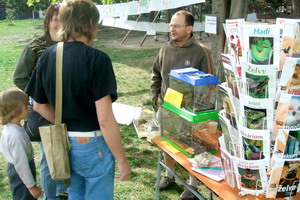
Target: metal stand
(160, 164)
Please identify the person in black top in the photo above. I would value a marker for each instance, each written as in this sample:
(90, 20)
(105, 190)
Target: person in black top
(89, 88)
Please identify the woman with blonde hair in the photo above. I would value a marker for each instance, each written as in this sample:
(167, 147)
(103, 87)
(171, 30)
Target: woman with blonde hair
(89, 88)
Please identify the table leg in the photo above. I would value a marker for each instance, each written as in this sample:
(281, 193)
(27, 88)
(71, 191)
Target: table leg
(195, 192)
(158, 176)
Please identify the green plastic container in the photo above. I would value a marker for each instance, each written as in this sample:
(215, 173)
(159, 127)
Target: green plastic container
(188, 131)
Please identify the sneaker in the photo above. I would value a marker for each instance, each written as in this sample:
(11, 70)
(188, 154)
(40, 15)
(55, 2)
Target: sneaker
(63, 196)
(188, 195)
(165, 182)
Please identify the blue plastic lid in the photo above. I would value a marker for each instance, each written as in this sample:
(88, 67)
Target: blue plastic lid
(193, 76)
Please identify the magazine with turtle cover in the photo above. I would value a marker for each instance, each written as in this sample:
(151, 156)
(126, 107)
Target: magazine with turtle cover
(259, 81)
(229, 104)
(288, 113)
(284, 178)
(290, 77)
(254, 144)
(287, 144)
(251, 175)
(256, 113)
(262, 44)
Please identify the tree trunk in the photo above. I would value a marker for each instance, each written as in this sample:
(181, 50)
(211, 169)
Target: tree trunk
(224, 9)
(296, 8)
(217, 45)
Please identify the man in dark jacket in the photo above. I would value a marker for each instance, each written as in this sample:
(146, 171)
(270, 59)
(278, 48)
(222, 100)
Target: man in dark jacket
(182, 51)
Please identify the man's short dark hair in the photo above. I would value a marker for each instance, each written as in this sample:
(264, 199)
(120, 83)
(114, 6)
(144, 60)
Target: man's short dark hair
(189, 18)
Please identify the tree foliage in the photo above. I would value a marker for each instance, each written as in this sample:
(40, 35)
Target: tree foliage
(18, 5)
(10, 14)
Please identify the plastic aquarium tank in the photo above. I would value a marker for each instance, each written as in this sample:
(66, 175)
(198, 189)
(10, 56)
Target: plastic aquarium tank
(187, 131)
(198, 88)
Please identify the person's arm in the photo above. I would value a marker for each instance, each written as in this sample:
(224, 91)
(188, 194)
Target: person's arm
(18, 147)
(111, 133)
(24, 68)
(45, 110)
(156, 80)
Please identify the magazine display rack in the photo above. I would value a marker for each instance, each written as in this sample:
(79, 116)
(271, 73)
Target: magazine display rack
(260, 120)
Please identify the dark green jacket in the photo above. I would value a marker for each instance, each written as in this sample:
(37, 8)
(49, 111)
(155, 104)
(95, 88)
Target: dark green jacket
(171, 56)
(28, 59)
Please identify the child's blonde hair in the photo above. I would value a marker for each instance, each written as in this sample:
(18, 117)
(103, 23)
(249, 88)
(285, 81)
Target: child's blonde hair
(11, 104)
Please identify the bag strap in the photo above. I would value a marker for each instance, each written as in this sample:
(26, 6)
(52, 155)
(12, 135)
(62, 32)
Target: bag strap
(58, 85)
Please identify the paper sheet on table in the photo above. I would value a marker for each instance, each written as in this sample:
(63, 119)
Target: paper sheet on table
(124, 113)
(213, 171)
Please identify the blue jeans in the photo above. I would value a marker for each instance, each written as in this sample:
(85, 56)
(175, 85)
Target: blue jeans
(51, 187)
(92, 170)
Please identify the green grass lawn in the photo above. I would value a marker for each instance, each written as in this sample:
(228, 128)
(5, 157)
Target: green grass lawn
(133, 72)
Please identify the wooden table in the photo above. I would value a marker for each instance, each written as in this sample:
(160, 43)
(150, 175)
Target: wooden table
(221, 189)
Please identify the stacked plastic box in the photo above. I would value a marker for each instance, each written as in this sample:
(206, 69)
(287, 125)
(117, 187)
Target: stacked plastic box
(186, 127)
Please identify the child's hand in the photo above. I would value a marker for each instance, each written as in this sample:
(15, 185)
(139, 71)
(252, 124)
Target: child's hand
(35, 191)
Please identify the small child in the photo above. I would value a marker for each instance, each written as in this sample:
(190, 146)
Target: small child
(16, 146)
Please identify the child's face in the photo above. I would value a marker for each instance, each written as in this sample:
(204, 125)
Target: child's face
(24, 113)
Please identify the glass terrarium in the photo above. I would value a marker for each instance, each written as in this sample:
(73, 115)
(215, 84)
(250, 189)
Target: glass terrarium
(198, 88)
(187, 131)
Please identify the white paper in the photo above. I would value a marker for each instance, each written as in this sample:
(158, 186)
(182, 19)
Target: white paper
(123, 113)
(211, 24)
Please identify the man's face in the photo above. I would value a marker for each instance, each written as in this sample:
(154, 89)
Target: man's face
(179, 31)
(54, 26)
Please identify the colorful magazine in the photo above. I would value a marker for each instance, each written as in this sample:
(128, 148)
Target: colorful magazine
(290, 42)
(288, 113)
(233, 30)
(284, 179)
(230, 135)
(256, 113)
(281, 24)
(229, 104)
(228, 167)
(287, 144)
(262, 44)
(290, 77)
(251, 175)
(231, 76)
(255, 144)
(259, 81)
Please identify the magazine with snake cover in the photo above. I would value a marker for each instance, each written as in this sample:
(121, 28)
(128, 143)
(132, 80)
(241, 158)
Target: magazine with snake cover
(262, 44)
